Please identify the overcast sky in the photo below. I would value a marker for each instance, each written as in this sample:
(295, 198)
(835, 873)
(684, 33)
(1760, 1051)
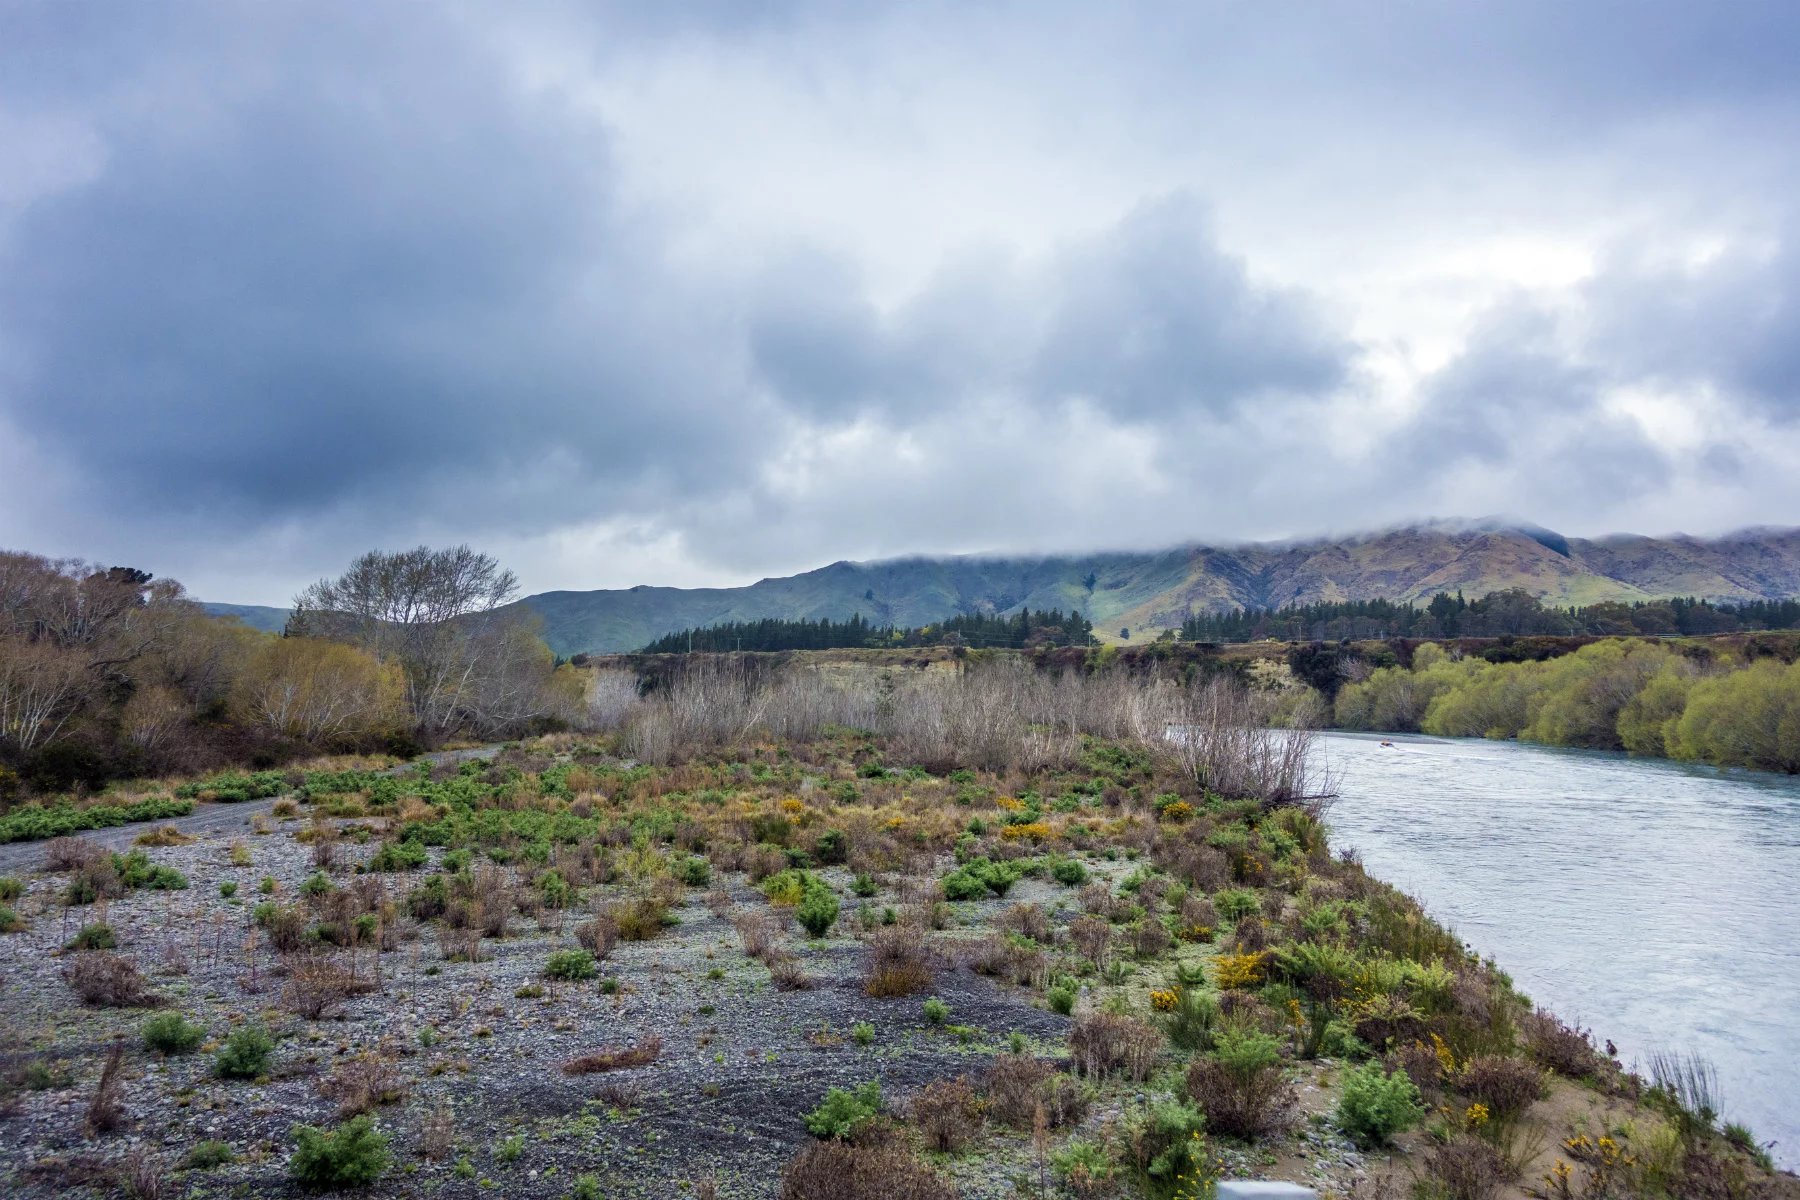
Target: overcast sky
(698, 293)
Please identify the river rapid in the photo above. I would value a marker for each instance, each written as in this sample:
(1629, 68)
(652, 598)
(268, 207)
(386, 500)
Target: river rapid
(1656, 903)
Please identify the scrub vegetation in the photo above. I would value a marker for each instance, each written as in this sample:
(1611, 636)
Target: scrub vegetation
(978, 932)
(1646, 697)
(107, 673)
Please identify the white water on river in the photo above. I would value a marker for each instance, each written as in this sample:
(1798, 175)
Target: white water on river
(1656, 903)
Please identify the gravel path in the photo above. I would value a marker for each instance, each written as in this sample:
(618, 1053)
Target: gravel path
(206, 821)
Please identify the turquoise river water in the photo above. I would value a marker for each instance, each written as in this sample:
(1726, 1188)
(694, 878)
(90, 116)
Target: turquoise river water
(1656, 903)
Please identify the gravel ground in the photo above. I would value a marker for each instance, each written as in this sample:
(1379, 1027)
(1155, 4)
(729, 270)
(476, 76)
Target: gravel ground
(740, 1062)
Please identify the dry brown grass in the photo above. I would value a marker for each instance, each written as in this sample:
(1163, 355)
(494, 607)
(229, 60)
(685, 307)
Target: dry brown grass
(598, 936)
(786, 971)
(880, 1167)
(318, 986)
(616, 1058)
(363, 1082)
(164, 835)
(71, 853)
(1103, 1044)
(899, 963)
(947, 1112)
(106, 1108)
(758, 931)
(1017, 1087)
(106, 980)
(1241, 1105)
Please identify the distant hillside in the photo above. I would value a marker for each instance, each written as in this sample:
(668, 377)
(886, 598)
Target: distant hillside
(1149, 592)
(1152, 591)
(257, 616)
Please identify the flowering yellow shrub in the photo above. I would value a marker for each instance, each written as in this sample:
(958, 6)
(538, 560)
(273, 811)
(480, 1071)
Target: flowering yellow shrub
(1181, 810)
(1163, 1000)
(1197, 933)
(1010, 804)
(1239, 970)
(1446, 1057)
(1037, 831)
(792, 806)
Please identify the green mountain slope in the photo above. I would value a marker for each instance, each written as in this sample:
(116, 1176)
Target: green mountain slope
(1152, 591)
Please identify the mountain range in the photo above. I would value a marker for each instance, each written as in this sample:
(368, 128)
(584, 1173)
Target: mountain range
(1133, 596)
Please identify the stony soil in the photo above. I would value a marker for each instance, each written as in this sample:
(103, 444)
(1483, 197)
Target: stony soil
(741, 1062)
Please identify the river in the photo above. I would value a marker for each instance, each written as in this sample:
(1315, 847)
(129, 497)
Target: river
(1656, 903)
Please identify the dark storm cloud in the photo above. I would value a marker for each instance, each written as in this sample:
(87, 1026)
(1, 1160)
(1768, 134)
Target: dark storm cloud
(1154, 320)
(1517, 398)
(341, 267)
(1148, 319)
(1732, 320)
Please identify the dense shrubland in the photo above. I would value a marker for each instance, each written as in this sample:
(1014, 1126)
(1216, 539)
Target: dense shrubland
(1645, 697)
(108, 673)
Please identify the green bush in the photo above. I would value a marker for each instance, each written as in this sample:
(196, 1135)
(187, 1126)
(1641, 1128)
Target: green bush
(1191, 1022)
(94, 937)
(227, 889)
(980, 877)
(10, 921)
(694, 871)
(10, 889)
(245, 1054)
(788, 886)
(1085, 1166)
(1061, 997)
(864, 885)
(170, 1033)
(207, 1155)
(352, 1155)
(962, 885)
(1234, 904)
(34, 822)
(862, 1033)
(399, 856)
(1375, 1105)
(845, 1110)
(554, 889)
(818, 910)
(571, 964)
(832, 847)
(135, 870)
(1069, 872)
(936, 1011)
(1167, 1145)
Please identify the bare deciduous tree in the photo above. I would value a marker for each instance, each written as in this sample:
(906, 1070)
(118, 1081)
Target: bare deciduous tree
(441, 616)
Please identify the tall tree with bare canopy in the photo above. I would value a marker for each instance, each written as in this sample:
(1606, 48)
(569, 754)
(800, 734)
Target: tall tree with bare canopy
(441, 616)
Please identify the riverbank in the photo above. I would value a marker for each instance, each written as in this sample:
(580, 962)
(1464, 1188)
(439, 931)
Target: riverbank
(1179, 984)
(1643, 896)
